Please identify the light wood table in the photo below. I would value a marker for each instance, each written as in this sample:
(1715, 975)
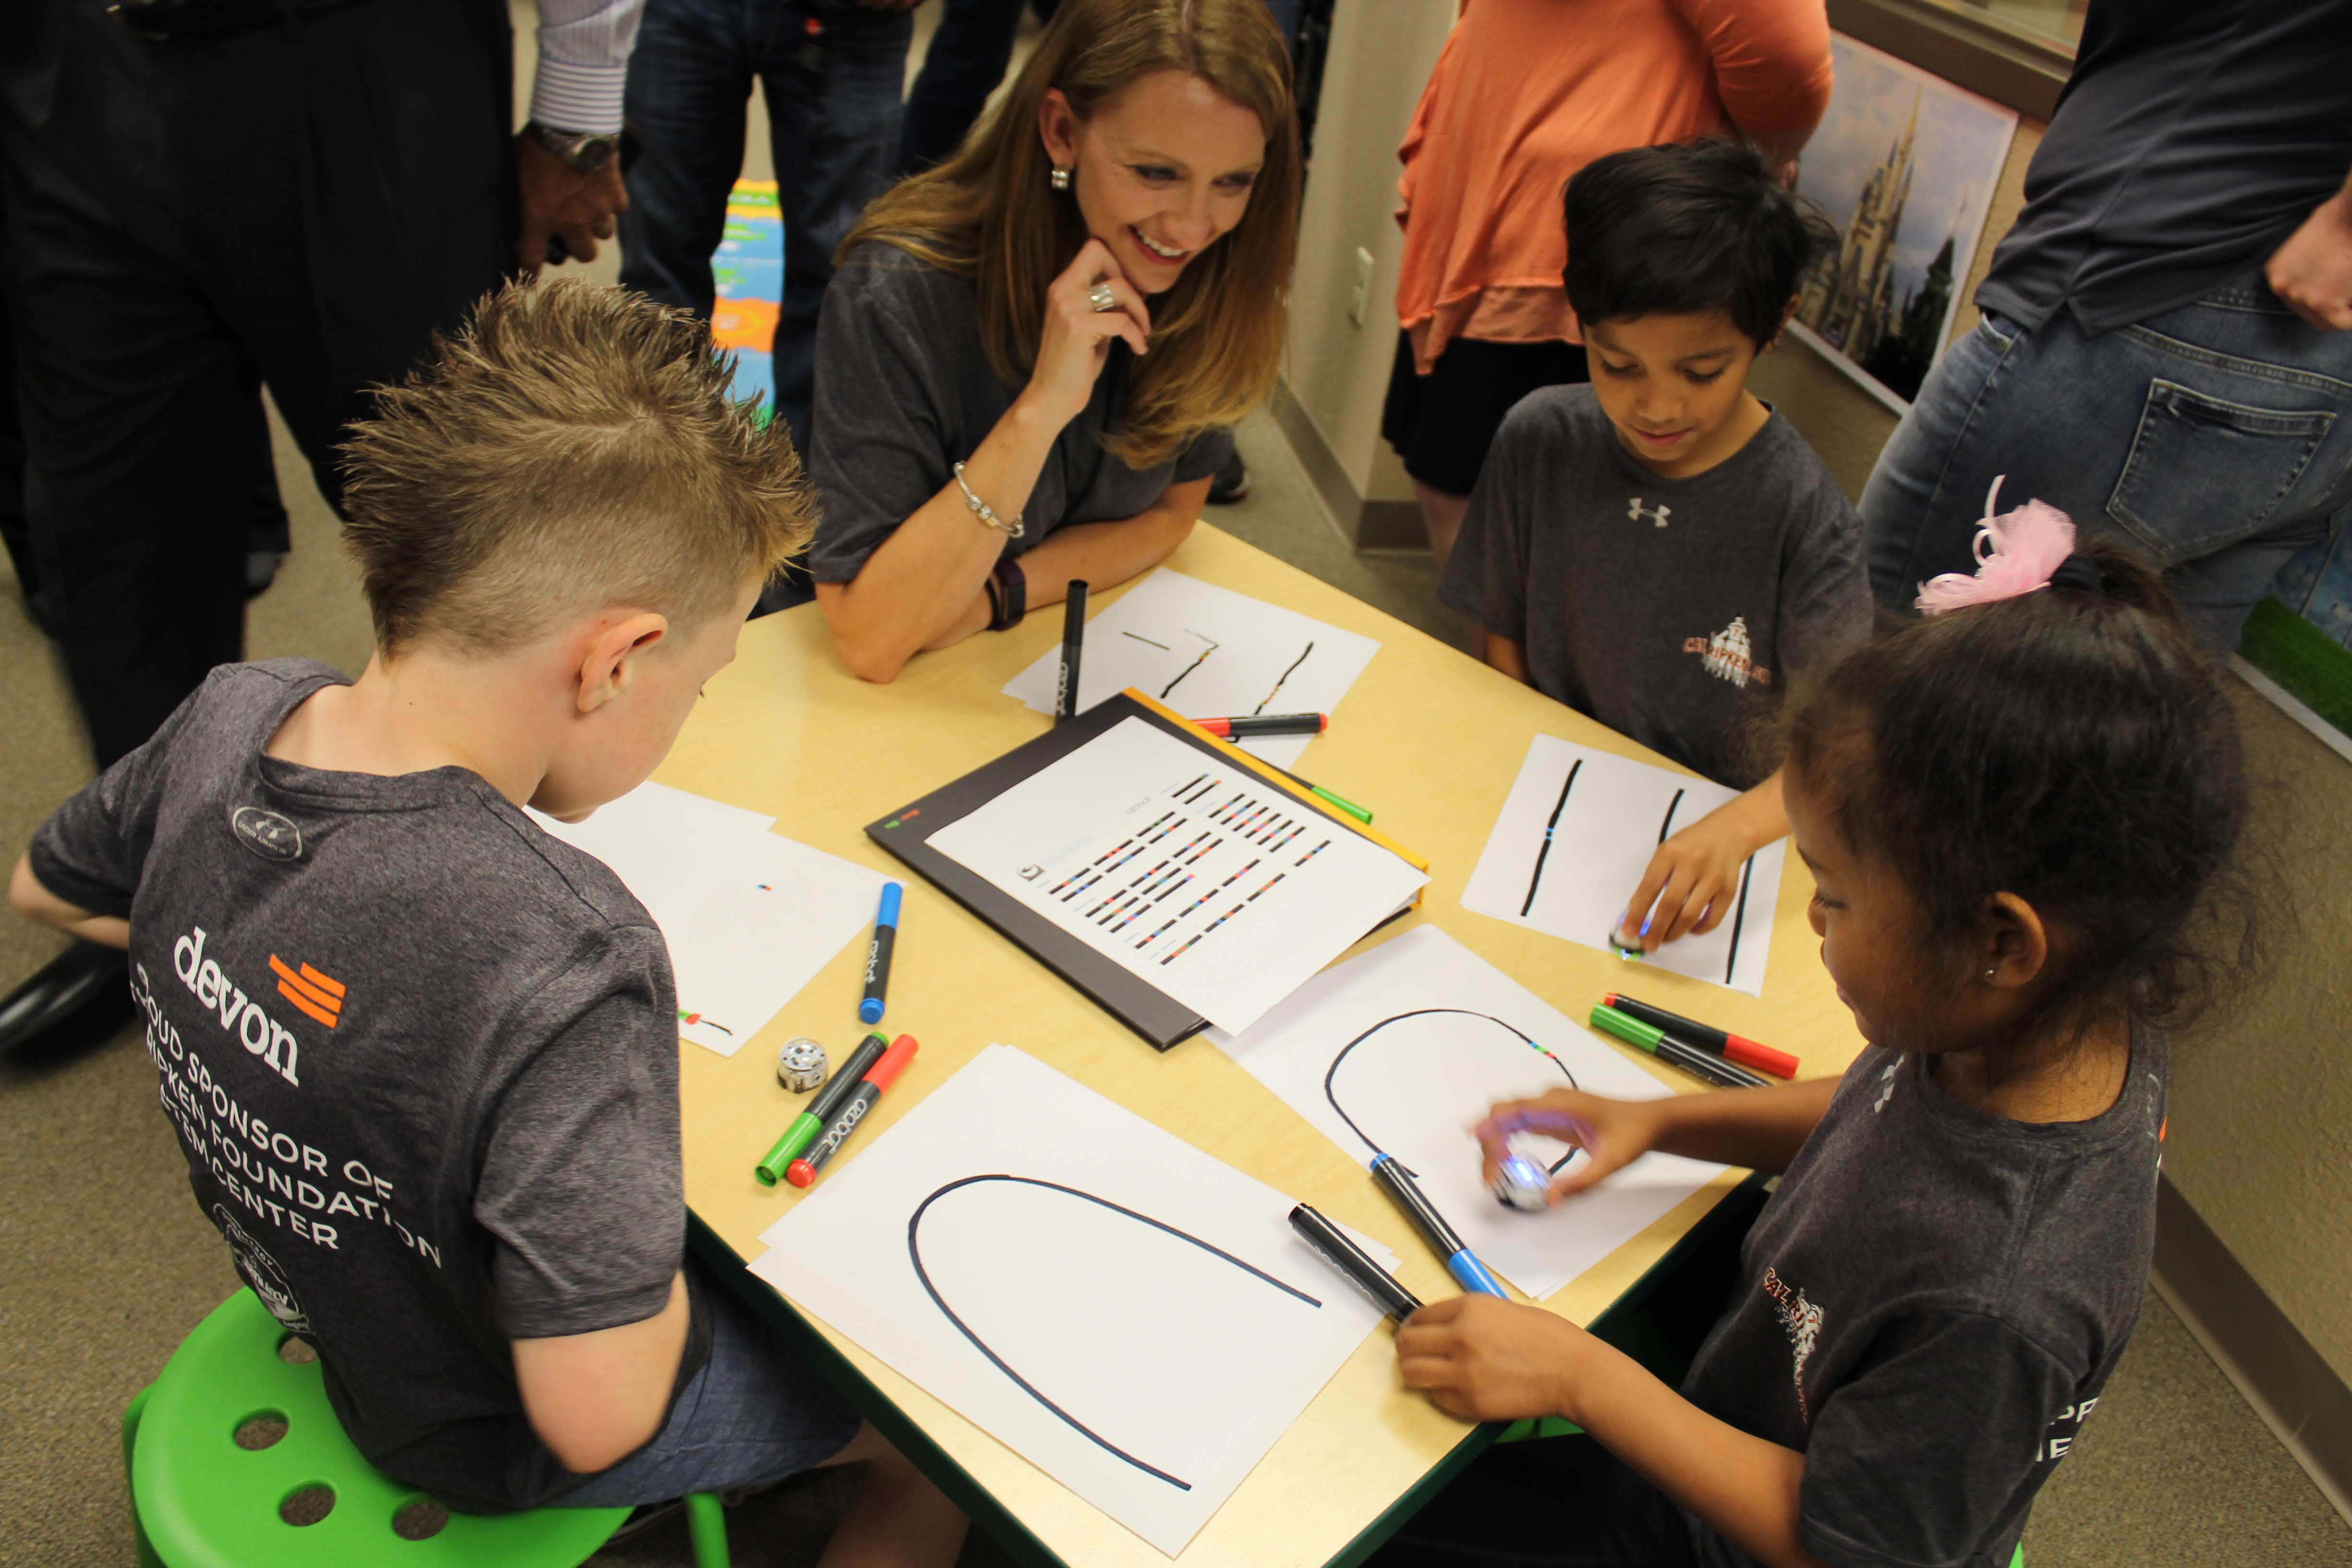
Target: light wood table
(1429, 739)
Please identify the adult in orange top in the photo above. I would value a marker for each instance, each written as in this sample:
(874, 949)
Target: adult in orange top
(1525, 94)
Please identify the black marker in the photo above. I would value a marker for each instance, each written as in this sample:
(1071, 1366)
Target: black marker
(1332, 1244)
(1074, 636)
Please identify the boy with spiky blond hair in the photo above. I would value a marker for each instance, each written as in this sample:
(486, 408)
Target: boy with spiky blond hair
(421, 1055)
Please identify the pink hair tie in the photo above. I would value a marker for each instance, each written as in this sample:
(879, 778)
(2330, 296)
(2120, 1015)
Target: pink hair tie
(2016, 553)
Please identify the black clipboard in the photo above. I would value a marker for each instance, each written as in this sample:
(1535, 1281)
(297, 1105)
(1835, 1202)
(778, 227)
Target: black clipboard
(1133, 1001)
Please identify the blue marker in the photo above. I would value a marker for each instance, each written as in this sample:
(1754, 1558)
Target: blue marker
(1460, 1261)
(877, 957)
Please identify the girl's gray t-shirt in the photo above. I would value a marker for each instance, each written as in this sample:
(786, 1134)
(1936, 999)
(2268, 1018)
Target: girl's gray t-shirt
(1930, 1305)
(904, 392)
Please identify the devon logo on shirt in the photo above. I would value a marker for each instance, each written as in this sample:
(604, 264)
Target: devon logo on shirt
(316, 995)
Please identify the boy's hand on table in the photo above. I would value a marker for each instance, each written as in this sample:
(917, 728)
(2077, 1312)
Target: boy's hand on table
(1613, 1133)
(1486, 1360)
(1691, 881)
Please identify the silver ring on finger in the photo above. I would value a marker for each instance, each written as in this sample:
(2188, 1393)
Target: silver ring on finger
(1101, 299)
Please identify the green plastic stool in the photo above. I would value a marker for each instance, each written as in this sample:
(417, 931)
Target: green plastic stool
(200, 1498)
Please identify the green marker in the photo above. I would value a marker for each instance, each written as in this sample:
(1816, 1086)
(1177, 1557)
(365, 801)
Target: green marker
(1667, 1048)
(1349, 806)
(1319, 792)
(830, 1099)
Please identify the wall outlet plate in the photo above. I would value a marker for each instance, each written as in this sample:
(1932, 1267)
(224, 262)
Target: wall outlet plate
(1360, 295)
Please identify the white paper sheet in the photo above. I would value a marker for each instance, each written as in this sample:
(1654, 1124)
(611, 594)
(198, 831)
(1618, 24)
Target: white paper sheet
(749, 916)
(1404, 1049)
(1574, 838)
(1222, 892)
(974, 1248)
(1207, 653)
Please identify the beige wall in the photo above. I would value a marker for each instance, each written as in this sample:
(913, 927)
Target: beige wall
(2261, 1143)
(1381, 52)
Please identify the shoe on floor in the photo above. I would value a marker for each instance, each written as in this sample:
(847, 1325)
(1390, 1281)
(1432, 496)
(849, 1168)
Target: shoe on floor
(77, 999)
(1231, 482)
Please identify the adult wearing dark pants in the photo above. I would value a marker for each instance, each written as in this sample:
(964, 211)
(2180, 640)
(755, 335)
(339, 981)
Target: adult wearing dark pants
(297, 200)
(832, 72)
(2163, 353)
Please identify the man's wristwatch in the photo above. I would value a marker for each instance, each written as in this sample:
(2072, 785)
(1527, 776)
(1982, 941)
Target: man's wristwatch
(583, 151)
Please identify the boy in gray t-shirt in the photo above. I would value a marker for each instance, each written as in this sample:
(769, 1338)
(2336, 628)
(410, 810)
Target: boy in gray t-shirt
(421, 1055)
(1659, 550)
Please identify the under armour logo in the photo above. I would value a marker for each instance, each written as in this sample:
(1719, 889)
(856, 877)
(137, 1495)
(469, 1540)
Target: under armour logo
(1636, 511)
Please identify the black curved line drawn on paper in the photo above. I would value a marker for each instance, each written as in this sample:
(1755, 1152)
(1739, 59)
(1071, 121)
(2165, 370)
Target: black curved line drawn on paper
(1667, 826)
(915, 1256)
(1738, 919)
(1544, 854)
(1285, 676)
(1333, 1072)
(1190, 668)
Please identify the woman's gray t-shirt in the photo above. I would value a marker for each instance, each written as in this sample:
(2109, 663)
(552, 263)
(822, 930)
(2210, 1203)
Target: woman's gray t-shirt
(904, 392)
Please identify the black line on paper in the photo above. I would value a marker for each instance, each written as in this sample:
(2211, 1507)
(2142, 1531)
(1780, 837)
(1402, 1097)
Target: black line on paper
(1285, 676)
(1738, 919)
(1330, 1094)
(1190, 668)
(915, 1256)
(1669, 824)
(1544, 853)
(1163, 646)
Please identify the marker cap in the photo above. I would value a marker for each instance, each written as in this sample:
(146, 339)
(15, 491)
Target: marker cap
(870, 1010)
(1633, 1031)
(884, 1073)
(892, 892)
(788, 1149)
(800, 1172)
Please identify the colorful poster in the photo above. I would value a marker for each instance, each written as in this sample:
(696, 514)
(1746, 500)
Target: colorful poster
(1905, 165)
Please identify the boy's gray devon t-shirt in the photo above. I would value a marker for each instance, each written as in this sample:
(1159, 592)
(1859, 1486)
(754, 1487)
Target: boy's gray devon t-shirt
(904, 392)
(422, 1057)
(1931, 1302)
(1661, 607)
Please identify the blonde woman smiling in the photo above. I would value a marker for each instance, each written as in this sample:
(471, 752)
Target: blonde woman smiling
(1030, 355)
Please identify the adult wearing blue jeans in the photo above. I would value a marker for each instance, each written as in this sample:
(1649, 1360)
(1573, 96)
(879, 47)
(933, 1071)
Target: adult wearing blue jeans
(2163, 353)
(832, 72)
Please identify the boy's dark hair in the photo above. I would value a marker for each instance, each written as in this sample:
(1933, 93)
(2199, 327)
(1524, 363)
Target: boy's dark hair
(1688, 227)
(571, 447)
(2071, 746)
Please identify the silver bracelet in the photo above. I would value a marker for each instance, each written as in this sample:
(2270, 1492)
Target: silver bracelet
(980, 508)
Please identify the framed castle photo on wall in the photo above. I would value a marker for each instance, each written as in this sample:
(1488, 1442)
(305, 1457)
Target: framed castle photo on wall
(1904, 165)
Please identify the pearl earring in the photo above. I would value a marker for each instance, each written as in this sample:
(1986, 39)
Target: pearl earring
(1059, 178)
(1990, 972)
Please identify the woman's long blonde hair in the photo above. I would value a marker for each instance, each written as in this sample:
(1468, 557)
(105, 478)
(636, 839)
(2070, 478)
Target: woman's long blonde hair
(988, 213)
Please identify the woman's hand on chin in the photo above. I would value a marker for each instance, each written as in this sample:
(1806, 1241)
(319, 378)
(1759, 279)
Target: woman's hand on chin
(1077, 337)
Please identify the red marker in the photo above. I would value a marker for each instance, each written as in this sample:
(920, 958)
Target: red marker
(1729, 1047)
(1267, 724)
(802, 1172)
